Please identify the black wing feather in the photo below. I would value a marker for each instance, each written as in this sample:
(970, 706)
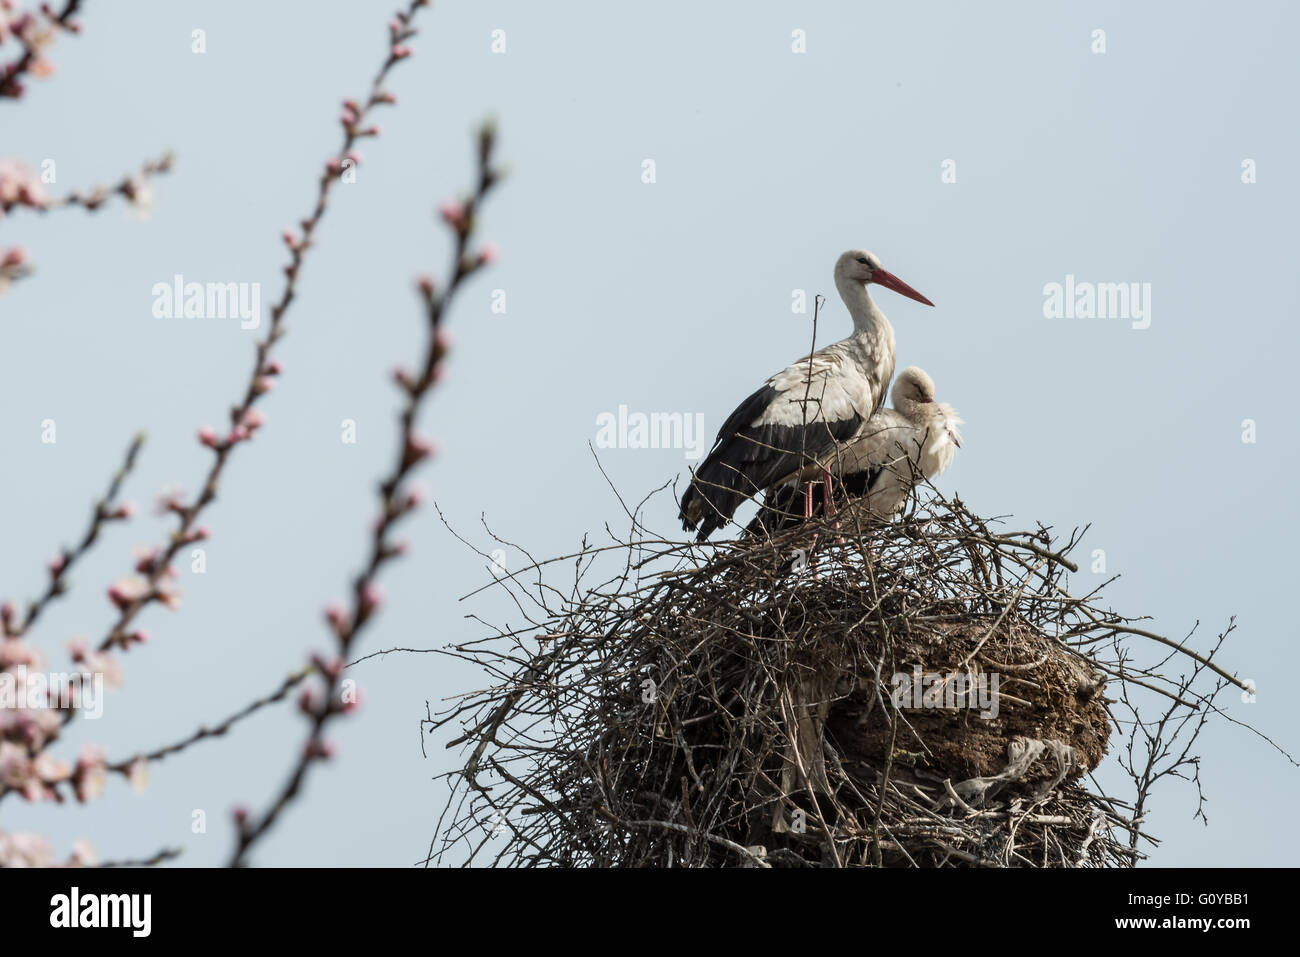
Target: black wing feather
(746, 459)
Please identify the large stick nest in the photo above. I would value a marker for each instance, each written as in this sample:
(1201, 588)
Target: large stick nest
(920, 693)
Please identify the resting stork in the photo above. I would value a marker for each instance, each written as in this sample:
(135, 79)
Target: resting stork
(804, 411)
(878, 468)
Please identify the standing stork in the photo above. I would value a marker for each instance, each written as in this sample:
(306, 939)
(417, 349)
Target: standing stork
(804, 411)
(878, 468)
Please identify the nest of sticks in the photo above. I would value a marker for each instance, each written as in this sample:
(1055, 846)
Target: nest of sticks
(924, 692)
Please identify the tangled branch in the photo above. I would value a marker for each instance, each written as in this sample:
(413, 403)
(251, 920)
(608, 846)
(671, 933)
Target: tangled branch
(811, 698)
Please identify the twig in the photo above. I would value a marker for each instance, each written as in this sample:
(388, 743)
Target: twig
(106, 510)
(244, 419)
(395, 501)
(166, 854)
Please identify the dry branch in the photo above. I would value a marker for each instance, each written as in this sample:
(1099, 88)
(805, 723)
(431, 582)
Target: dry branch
(748, 704)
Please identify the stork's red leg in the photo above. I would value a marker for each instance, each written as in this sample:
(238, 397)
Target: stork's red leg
(828, 493)
(807, 514)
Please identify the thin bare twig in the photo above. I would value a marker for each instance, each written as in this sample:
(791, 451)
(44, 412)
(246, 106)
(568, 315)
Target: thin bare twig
(395, 500)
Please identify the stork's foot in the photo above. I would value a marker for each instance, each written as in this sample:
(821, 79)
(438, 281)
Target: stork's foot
(828, 494)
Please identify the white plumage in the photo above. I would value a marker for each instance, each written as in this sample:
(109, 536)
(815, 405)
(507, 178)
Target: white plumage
(880, 465)
(806, 410)
(915, 439)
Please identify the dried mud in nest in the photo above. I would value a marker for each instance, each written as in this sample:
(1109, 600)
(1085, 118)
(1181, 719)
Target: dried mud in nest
(735, 705)
(1045, 692)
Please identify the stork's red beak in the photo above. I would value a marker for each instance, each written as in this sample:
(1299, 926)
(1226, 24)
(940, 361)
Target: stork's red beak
(890, 281)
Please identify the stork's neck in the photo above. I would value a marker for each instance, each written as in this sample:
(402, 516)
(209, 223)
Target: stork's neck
(869, 323)
(872, 340)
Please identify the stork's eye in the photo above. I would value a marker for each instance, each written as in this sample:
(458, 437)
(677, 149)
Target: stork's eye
(863, 261)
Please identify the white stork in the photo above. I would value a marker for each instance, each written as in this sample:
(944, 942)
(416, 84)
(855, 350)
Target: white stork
(878, 468)
(804, 411)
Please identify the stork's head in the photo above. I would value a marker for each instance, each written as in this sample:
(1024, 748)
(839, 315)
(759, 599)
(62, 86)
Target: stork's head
(860, 266)
(912, 389)
(913, 396)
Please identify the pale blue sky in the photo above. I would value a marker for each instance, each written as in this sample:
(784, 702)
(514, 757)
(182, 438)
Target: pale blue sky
(666, 297)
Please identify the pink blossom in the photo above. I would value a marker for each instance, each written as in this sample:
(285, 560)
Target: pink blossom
(34, 727)
(14, 765)
(419, 447)
(90, 774)
(25, 850)
(403, 378)
(140, 194)
(49, 769)
(146, 558)
(329, 667)
(137, 775)
(20, 186)
(126, 591)
(94, 662)
(169, 500)
(169, 596)
(453, 212)
(338, 617)
(83, 855)
(319, 748)
(372, 596)
(309, 702)
(18, 772)
(416, 495)
(15, 652)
